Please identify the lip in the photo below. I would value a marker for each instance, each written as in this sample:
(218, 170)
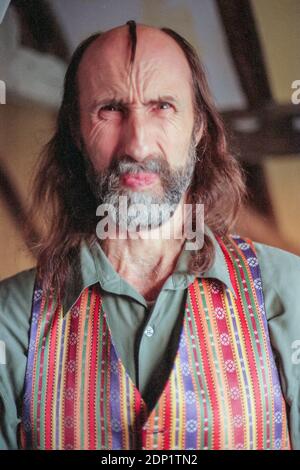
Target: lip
(139, 180)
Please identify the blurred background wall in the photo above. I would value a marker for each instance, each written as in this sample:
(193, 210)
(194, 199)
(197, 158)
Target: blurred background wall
(251, 52)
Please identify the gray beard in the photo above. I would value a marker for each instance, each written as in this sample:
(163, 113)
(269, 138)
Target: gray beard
(145, 209)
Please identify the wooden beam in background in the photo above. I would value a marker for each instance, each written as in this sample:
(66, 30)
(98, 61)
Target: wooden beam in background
(243, 40)
(40, 29)
(258, 191)
(272, 130)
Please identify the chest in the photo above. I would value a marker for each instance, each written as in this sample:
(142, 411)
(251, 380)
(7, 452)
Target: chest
(223, 391)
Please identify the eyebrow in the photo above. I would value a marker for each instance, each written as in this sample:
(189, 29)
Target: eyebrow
(103, 101)
(112, 100)
(169, 98)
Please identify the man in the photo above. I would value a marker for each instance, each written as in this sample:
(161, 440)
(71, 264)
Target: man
(133, 342)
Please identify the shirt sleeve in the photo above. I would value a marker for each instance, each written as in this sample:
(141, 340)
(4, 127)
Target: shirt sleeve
(15, 309)
(280, 272)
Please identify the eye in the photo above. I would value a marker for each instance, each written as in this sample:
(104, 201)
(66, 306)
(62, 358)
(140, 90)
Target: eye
(111, 111)
(164, 105)
(111, 107)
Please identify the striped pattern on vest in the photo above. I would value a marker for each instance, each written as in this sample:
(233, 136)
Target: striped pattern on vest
(222, 393)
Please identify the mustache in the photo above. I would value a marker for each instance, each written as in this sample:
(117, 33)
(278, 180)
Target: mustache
(126, 164)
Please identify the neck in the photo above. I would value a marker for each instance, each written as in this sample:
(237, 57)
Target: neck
(148, 260)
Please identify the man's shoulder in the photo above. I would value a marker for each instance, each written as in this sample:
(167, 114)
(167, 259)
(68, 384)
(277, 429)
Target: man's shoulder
(18, 281)
(277, 263)
(15, 312)
(270, 257)
(280, 274)
(16, 295)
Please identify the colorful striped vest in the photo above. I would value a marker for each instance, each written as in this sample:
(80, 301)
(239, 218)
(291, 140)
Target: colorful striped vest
(222, 393)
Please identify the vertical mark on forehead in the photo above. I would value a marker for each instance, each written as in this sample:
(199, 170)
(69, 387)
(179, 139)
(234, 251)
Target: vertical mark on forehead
(133, 39)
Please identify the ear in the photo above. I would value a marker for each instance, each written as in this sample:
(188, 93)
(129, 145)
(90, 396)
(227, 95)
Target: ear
(199, 130)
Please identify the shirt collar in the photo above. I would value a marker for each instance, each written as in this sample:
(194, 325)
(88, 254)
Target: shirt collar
(93, 266)
(83, 274)
(219, 269)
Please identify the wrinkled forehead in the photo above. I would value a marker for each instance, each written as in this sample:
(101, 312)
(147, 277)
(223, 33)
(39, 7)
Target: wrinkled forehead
(158, 62)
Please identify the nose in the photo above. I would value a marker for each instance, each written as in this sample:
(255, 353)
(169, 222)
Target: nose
(136, 136)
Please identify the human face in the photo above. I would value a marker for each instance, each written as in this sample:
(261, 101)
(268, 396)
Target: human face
(141, 113)
(137, 124)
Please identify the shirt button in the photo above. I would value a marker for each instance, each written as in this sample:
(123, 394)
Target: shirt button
(149, 331)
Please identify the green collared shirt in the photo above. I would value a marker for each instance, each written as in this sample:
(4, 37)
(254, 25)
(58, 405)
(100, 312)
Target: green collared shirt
(146, 336)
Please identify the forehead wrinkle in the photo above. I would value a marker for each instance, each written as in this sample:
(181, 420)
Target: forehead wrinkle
(153, 82)
(138, 91)
(98, 56)
(116, 76)
(169, 69)
(139, 85)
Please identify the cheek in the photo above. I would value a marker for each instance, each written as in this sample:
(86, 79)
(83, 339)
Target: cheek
(175, 141)
(100, 140)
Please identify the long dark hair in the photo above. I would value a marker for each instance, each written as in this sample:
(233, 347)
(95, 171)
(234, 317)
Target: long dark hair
(62, 196)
